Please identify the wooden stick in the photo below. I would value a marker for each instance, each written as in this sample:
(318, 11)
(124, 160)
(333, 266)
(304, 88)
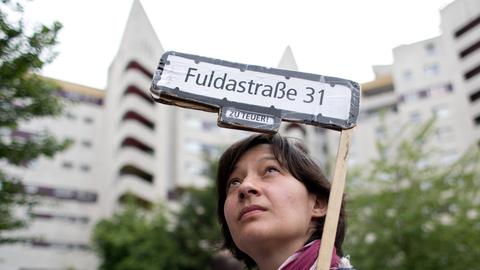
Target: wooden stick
(334, 202)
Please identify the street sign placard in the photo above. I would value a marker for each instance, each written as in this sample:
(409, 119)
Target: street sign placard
(253, 97)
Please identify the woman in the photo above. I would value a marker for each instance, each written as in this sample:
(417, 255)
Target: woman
(272, 201)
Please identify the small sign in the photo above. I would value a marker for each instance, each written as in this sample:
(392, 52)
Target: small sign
(235, 118)
(253, 97)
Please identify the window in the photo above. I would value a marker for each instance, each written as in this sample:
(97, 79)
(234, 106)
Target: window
(325, 148)
(60, 193)
(88, 120)
(41, 243)
(470, 49)
(380, 132)
(467, 27)
(64, 193)
(407, 75)
(475, 96)
(415, 117)
(208, 125)
(137, 66)
(132, 142)
(133, 90)
(431, 69)
(472, 73)
(134, 116)
(85, 196)
(410, 97)
(424, 93)
(194, 123)
(441, 111)
(441, 90)
(31, 189)
(70, 116)
(133, 170)
(22, 136)
(86, 143)
(60, 217)
(319, 130)
(210, 150)
(67, 164)
(444, 133)
(389, 108)
(477, 120)
(196, 168)
(430, 49)
(193, 147)
(449, 88)
(85, 167)
(78, 97)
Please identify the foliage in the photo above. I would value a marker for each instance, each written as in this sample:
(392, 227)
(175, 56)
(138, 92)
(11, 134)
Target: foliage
(133, 240)
(197, 231)
(23, 97)
(413, 213)
(163, 239)
(9, 191)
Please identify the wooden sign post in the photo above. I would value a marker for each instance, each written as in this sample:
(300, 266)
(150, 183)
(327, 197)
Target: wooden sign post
(334, 201)
(255, 98)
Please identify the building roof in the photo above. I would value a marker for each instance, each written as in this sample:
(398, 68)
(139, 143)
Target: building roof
(379, 82)
(78, 88)
(288, 60)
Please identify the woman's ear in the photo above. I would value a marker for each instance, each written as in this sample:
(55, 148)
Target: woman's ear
(320, 208)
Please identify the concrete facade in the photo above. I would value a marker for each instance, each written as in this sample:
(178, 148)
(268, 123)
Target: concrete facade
(434, 78)
(66, 188)
(460, 27)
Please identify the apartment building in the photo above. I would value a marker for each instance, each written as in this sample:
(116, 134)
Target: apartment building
(67, 188)
(434, 78)
(460, 25)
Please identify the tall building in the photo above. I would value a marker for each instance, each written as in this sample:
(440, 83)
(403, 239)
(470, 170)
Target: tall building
(434, 78)
(67, 188)
(460, 27)
(134, 125)
(379, 105)
(425, 84)
(150, 149)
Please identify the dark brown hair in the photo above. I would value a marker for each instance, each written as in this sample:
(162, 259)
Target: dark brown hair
(293, 156)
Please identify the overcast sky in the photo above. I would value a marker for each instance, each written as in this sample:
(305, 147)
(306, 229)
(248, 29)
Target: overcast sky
(341, 38)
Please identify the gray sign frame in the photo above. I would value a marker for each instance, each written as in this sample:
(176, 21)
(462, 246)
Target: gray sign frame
(175, 96)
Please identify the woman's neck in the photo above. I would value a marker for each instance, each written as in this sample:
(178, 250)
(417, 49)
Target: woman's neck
(271, 256)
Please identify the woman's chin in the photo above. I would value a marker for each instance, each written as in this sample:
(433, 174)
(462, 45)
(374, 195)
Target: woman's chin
(254, 233)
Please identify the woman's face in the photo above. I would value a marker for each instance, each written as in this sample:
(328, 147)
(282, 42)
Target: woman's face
(266, 204)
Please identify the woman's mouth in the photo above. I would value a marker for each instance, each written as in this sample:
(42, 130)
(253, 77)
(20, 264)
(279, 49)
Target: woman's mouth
(250, 209)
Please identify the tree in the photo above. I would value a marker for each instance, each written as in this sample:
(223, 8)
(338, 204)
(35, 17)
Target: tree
(408, 212)
(188, 239)
(23, 96)
(197, 231)
(132, 239)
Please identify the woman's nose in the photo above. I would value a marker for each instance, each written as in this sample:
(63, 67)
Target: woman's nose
(248, 188)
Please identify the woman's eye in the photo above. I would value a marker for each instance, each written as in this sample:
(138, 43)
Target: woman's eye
(271, 169)
(233, 183)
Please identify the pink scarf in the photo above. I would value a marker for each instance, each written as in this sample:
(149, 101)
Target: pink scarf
(305, 258)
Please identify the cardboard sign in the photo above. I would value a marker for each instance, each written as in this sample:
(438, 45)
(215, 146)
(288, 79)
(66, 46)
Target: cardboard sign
(253, 97)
